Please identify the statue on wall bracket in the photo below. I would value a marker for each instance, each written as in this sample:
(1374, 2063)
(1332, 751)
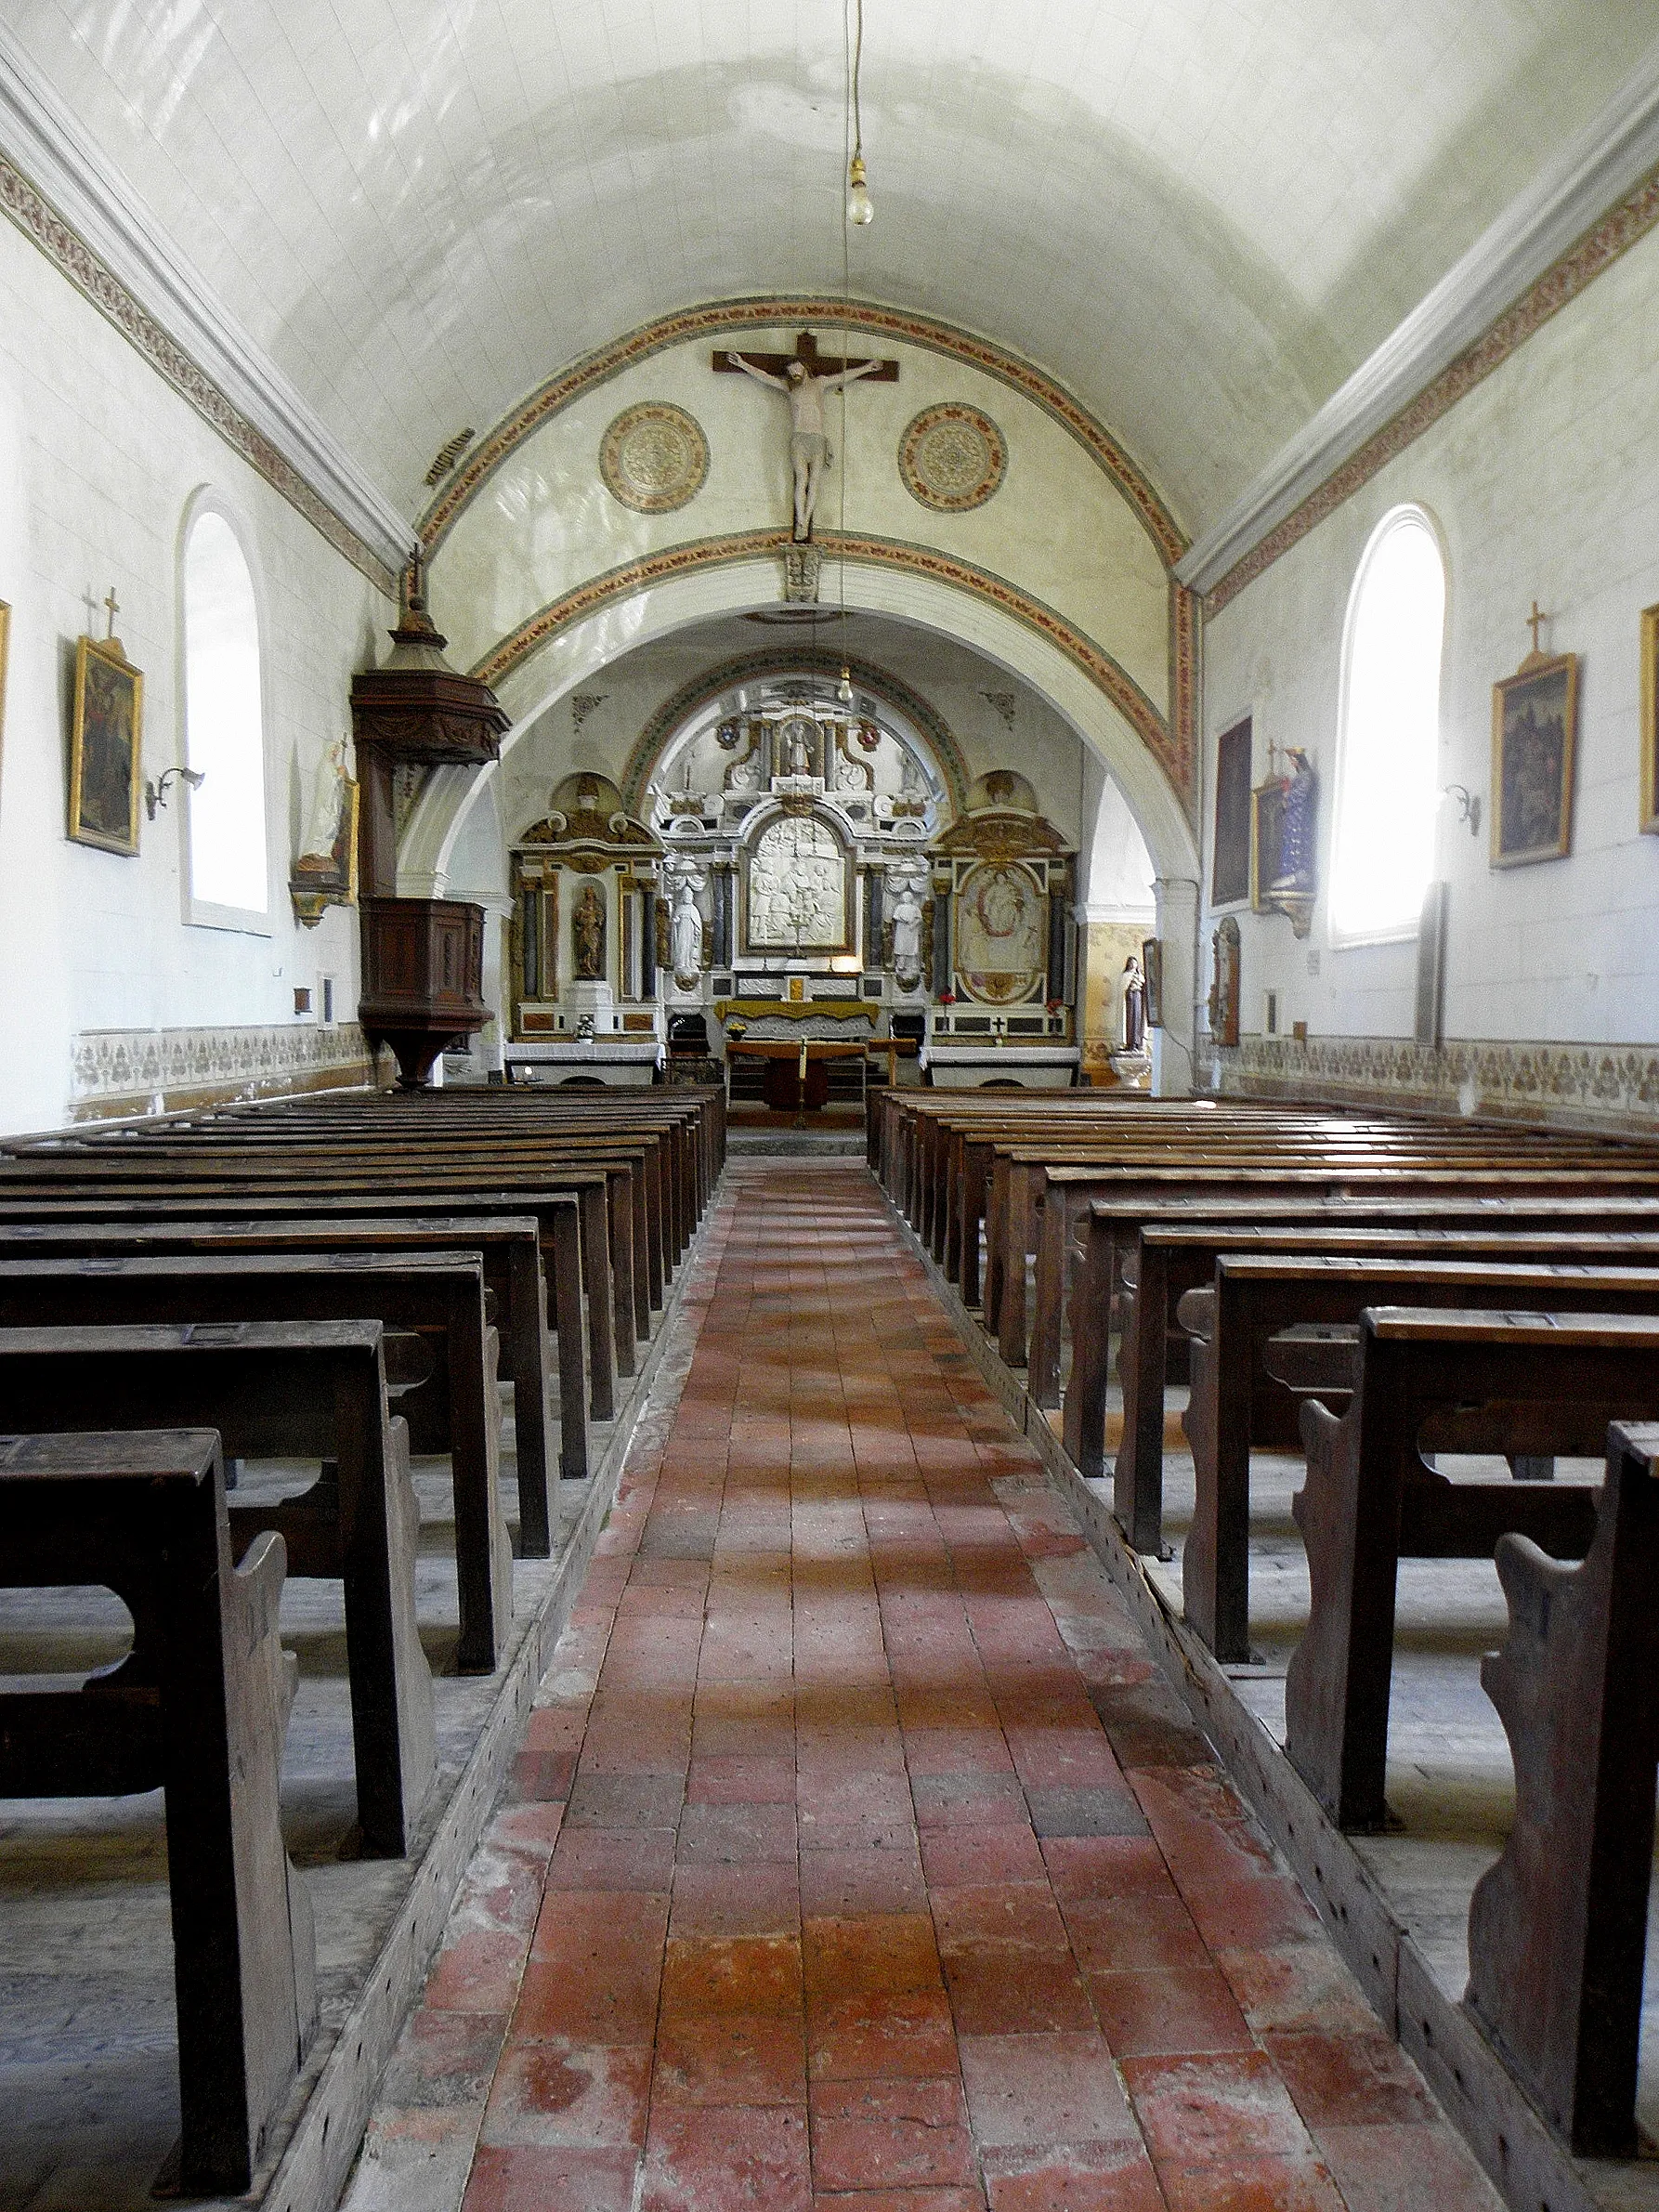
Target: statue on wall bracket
(325, 872)
(1284, 838)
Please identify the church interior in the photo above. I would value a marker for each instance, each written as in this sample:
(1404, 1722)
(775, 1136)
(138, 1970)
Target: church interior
(829, 1238)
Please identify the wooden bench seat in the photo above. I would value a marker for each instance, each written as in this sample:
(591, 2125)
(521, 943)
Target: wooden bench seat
(1515, 1384)
(306, 1390)
(1557, 1928)
(391, 1223)
(1239, 1398)
(197, 1709)
(431, 1304)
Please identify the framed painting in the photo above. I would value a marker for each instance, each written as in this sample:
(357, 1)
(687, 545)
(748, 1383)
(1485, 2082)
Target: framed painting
(1229, 857)
(1152, 967)
(1650, 719)
(105, 743)
(1534, 731)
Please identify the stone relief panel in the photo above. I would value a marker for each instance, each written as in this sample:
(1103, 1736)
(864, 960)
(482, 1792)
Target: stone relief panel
(654, 458)
(952, 458)
(795, 888)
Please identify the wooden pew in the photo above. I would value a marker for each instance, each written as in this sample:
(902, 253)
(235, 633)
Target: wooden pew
(390, 1222)
(1557, 1928)
(1519, 1384)
(312, 1390)
(199, 1709)
(1137, 1263)
(407, 1182)
(1237, 1399)
(432, 1305)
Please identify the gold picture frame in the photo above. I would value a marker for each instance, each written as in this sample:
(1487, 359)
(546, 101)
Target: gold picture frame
(106, 747)
(1650, 720)
(1534, 742)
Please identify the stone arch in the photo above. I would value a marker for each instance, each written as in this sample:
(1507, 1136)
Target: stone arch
(569, 654)
(787, 661)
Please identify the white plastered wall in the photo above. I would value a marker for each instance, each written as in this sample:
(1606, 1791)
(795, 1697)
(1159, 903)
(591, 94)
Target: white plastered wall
(100, 460)
(1541, 484)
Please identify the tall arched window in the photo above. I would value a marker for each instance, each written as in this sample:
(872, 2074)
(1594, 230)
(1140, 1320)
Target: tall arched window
(1387, 751)
(224, 725)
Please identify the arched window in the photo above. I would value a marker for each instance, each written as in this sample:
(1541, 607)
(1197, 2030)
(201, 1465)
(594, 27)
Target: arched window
(224, 724)
(1388, 753)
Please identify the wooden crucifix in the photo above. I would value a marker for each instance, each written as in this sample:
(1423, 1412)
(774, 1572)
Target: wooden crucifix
(804, 377)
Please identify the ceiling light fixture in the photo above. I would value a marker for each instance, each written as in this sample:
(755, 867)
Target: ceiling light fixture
(860, 207)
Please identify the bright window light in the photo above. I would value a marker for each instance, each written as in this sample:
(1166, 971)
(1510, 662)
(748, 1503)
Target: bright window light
(1388, 754)
(224, 721)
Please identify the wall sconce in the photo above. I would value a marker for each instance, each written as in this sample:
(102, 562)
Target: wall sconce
(155, 795)
(1469, 806)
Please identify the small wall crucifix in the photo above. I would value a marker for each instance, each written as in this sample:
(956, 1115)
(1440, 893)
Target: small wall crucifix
(804, 377)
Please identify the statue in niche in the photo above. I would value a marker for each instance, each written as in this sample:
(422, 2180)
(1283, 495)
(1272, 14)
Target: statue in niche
(587, 933)
(1134, 1006)
(809, 448)
(1224, 996)
(687, 934)
(906, 924)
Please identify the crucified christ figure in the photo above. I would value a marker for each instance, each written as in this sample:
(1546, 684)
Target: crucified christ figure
(808, 450)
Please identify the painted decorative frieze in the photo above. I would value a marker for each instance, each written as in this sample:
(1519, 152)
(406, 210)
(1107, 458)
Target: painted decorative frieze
(135, 1071)
(1584, 1086)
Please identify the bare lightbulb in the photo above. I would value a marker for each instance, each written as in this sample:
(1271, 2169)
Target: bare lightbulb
(861, 208)
(844, 690)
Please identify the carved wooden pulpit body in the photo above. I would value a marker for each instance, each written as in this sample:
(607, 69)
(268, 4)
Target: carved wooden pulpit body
(423, 957)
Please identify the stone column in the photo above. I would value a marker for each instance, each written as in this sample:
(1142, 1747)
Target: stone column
(1172, 1046)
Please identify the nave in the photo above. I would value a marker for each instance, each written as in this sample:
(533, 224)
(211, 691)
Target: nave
(857, 1854)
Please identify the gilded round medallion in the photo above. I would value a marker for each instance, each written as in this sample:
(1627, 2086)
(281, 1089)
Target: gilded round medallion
(952, 457)
(654, 458)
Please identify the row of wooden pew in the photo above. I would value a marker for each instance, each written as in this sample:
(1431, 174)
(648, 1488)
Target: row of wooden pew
(339, 1281)
(1387, 1295)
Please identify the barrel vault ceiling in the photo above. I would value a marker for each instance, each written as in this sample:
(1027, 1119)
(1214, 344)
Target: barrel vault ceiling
(1200, 215)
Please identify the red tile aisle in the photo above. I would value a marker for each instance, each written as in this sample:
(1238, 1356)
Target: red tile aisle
(890, 1876)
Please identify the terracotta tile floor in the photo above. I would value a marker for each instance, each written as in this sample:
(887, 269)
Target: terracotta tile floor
(859, 1856)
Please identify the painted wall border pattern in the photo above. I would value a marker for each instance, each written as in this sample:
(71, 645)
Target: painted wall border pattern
(669, 716)
(859, 319)
(74, 259)
(116, 1071)
(1610, 1087)
(1602, 244)
(1170, 747)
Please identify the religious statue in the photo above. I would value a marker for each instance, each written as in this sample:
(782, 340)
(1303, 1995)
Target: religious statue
(1134, 1006)
(809, 448)
(906, 920)
(1297, 826)
(587, 931)
(686, 932)
(323, 828)
(1224, 995)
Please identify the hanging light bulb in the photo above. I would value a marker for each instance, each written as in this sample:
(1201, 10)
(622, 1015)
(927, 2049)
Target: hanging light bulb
(861, 208)
(844, 690)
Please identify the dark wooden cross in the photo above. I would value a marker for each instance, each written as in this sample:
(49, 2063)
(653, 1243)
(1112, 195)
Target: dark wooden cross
(812, 360)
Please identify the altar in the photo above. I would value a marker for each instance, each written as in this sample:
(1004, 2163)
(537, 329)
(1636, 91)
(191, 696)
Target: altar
(602, 1059)
(1032, 1066)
